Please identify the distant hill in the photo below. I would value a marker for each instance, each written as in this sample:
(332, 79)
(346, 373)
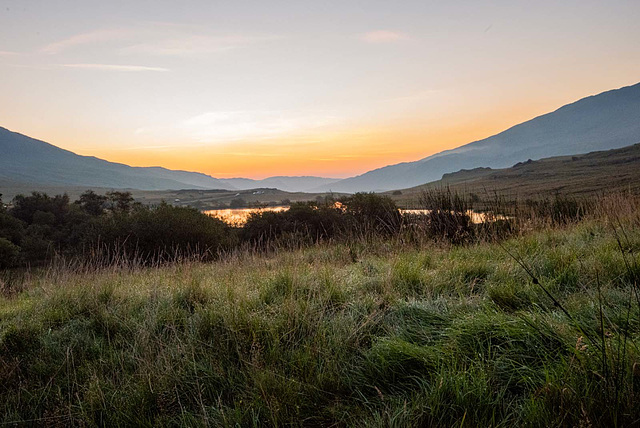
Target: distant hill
(610, 170)
(28, 162)
(606, 121)
(289, 184)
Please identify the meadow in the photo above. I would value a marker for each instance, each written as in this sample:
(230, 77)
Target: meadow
(534, 327)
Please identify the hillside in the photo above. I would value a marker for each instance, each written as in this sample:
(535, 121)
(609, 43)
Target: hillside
(609, 120)
(204, 199)
(610, 170)
(286, 183)
(34, 164)
(32, 161)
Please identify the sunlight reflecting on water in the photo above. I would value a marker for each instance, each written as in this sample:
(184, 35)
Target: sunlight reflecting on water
(238, 216)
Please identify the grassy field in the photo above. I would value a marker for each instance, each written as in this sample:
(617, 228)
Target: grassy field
(371, 333)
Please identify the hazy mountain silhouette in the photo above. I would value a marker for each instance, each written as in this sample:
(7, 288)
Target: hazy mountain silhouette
(288, 184)
(600, 122)
(27, 160)
(606, 121)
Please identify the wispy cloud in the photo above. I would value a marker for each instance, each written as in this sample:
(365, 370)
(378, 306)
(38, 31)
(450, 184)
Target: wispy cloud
(255, 125)
(9, 53)
(383, 36)
(92, 37)
(234, 125)
(158, 39)
(114, 67)
(185, 45)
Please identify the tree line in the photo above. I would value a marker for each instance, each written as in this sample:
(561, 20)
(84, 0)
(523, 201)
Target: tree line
(37, 228)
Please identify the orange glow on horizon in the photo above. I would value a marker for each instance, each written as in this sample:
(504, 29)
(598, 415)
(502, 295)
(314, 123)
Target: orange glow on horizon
(339, 154)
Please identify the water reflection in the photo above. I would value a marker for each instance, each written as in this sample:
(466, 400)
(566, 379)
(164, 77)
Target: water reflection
(238, 216)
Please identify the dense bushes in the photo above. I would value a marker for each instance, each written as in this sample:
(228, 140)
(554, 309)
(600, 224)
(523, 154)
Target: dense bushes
(362, 214)
(106, 228)
(37, 228)
(162, 233)
(304, 221)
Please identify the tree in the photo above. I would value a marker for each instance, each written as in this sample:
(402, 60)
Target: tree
(24, 207)
(120, 201)
(92, 203)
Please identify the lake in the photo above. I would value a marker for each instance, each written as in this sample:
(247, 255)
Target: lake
(238, 217)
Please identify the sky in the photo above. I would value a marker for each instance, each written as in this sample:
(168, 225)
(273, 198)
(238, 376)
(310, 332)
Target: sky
(331, 88)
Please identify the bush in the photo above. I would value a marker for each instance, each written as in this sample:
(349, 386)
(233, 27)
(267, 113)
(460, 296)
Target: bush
(9, 253)
(448, 217)
(105, 229)
(303, 220)
(371, 213)
(163, 233)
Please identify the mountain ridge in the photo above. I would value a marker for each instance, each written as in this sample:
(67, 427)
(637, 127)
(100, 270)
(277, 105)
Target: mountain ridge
(585, 125)
(31, 160)
(603, 121)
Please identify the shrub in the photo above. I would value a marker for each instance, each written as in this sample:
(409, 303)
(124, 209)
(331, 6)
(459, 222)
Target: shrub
(448, 217)
(8, 253)
(163, 233)
(370, 213)
(305, 220)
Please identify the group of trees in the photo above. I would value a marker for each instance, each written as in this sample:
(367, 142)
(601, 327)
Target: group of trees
(36, 228)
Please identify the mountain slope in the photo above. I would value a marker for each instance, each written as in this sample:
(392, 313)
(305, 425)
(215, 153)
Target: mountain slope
(27, 161)
(595, 172)
(600, 122)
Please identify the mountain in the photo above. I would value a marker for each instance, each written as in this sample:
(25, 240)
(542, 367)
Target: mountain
(605, 121)
(595, 172)
(28, 161)
(289, 184)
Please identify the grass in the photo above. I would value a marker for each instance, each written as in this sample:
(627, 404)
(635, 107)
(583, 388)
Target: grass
(585, 175)
(382, 333)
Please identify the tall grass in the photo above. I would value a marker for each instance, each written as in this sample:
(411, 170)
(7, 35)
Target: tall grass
(374, 332)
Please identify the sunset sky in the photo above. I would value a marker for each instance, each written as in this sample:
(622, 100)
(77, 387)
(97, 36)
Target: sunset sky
(333, 88)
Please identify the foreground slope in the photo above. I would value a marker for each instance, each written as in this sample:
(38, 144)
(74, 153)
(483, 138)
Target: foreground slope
(606, 121)
(382, 334)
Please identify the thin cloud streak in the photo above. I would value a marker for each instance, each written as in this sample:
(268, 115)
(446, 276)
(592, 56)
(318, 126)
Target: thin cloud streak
(92, 37)
(168, 40)
(195, 45)
(114, 67)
